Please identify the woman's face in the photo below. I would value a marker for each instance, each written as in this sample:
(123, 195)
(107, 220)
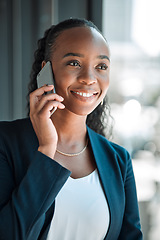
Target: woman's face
(80, 64)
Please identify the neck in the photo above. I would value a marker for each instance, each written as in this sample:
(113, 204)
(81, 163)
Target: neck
(70, 127)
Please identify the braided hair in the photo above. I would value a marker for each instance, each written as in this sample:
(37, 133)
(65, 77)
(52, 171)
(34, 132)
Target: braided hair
(99, 119)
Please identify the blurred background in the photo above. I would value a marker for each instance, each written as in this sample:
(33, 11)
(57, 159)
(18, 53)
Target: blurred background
(132, 30)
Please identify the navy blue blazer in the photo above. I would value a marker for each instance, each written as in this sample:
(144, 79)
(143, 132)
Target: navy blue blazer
(30, 181)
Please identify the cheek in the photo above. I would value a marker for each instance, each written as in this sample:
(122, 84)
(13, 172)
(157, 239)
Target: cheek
(105, 83)
(65, 77)
(60, 78)
(63, 82)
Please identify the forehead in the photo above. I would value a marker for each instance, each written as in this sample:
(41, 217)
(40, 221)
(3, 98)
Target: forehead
(82, 39)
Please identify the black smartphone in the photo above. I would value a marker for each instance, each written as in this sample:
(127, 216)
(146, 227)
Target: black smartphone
(45, 76)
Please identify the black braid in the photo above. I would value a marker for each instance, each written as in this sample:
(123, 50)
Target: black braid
(99, 119)
(39, 57)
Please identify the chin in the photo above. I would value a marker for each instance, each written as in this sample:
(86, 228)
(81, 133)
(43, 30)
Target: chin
(82, 111)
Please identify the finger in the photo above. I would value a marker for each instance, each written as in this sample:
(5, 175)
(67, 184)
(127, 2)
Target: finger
(50, 107)
(35, 97)
(60, 106)
(45, 88)
(40, 91)
(48, 98)
(37, 94)
(52, 111)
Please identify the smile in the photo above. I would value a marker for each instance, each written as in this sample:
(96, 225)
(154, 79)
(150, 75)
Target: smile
(83, 94)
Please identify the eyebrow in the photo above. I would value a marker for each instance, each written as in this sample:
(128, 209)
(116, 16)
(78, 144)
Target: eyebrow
(73, 54)
(81, 55)
(104, 57)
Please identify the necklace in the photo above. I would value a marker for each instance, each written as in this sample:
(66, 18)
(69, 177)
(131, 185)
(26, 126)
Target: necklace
(73, 154)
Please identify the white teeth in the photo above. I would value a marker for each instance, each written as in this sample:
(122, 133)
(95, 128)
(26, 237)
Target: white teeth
(84, 94)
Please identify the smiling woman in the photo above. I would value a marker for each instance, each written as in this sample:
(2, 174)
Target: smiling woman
(80, 70)
(59, 178)
(48, 44)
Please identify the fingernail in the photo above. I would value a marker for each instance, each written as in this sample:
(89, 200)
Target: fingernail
(62, 106)
(47, 85)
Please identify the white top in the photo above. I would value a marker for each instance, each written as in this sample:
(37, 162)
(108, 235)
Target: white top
(81, 210)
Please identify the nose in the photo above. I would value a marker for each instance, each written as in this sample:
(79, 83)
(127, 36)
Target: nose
(87, 76)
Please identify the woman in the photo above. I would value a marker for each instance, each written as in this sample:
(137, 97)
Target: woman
(60, 179)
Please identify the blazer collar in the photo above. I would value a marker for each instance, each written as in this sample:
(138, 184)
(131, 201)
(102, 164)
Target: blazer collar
(105, 159)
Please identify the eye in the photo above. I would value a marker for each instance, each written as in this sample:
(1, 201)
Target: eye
(102, 66)
(74, 63)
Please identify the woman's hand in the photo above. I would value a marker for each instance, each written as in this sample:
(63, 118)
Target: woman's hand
(41, 108)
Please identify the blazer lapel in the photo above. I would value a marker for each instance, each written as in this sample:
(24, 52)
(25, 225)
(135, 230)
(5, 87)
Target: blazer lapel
(110, 177)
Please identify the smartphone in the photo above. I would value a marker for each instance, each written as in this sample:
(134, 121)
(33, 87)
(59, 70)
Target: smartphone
(45, 76)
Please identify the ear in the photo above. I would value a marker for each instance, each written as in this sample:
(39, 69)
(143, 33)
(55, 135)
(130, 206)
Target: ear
(43, 64)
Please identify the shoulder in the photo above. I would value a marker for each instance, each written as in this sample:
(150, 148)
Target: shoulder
(17, 131)
(15, 123)
(10, 127)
